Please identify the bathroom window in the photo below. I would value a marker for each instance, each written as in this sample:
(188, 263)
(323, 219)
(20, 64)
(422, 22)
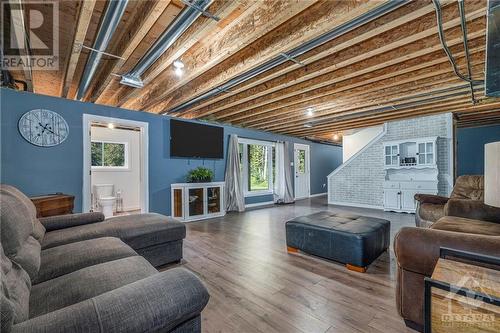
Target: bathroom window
(109, 155)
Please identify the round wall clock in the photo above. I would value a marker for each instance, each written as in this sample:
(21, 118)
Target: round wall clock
(43, 128)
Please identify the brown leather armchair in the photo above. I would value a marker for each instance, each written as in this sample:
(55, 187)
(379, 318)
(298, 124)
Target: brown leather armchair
(431, 208)
(470, 225)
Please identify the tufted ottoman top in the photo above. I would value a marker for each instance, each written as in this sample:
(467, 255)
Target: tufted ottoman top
(347, 238)
(350, 223)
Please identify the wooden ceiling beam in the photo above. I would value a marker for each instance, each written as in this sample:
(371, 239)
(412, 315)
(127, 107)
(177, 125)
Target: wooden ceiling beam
(371, 69)
(401, 16)
(84, 17)
(380, 49)
(434, 76)
(202, 29)
(309, 24)
(145, 17)
(411, 54)
(376, 98)
(260, 18)
(365, 122)
(334, 113)
(458, 104)
(381, 95)
(391, 76)
(354, 116)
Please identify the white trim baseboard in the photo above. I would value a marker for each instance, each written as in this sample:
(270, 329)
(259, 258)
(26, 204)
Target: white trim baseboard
(258, 204)
(350, 204)
(318, 195)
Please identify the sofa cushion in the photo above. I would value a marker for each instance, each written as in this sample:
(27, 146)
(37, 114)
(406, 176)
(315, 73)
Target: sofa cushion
(431, 212)
(138, 231)
(64, 259)
(86, 283)
(14, 293)
(18, 217)
(38, 231)
(469, 187)
(460, 224)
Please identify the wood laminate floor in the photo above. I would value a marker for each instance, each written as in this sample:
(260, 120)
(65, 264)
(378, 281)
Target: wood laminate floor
(256, 286)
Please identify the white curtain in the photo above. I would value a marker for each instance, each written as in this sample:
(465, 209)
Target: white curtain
(283, 190)
(279, 181)
(233, 191)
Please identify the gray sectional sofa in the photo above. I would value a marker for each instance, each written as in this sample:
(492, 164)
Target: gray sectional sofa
(81, 273)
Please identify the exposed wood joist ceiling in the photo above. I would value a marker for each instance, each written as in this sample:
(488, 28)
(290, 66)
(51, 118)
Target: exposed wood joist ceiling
(392, 67)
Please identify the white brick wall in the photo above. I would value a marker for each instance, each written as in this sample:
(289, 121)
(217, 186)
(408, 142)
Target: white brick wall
(360, 180)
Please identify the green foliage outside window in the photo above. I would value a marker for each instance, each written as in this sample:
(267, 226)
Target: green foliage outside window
(258, 168)
(105, 154)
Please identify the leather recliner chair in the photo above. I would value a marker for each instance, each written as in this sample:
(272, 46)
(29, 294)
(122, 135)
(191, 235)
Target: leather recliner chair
(470, 225)
(431, 208)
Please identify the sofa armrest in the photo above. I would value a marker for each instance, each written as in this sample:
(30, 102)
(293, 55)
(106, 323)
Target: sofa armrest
(431, 198)
(417, 249)
(70, 220)
(472, 209)
(157, 303)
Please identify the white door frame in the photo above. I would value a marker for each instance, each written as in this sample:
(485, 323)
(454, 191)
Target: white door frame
(88, 119)
(297, 146)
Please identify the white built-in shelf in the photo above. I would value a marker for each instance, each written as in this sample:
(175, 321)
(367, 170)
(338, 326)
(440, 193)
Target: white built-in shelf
(403, 181)
(197, 201)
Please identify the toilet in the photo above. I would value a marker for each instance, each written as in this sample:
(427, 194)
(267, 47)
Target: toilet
(104, 198)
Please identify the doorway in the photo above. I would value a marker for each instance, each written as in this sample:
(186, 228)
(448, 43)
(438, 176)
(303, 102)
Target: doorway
(301, 163)
(115, 166)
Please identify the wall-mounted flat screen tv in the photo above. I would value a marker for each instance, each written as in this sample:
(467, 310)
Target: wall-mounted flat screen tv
(193, 140)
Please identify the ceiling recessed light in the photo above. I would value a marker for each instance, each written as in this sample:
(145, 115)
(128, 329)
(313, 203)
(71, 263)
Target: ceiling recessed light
(335, 137)
(178, 71)
(111, 125)
(178, 63)
(309, 111)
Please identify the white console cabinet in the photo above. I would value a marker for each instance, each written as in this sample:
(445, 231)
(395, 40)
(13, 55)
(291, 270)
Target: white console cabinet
(197, 201)
(410, 168)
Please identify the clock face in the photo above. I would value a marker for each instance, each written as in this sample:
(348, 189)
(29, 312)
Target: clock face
(43, 128)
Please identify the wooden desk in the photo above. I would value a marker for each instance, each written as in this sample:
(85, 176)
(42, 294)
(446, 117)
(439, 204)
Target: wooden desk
(453, 312)
(53, 204)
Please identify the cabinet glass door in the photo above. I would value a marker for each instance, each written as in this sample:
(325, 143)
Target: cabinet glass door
(429, 153)
(392, 155)
(213, 200)
(178, 203)
(195, 197)
(426, 153)
(388, 155)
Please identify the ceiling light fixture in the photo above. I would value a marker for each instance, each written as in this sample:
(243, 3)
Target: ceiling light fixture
(335, 137)
(178, 63)
(178, 72)
(111, 125)
(308, 125)
(310, 111)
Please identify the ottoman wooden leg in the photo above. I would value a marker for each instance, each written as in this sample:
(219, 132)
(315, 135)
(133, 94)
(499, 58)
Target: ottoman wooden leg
(355, 268)
(292, 249)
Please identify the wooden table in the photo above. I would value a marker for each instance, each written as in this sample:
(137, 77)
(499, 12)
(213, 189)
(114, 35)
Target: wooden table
(463, 297)
(53, 204)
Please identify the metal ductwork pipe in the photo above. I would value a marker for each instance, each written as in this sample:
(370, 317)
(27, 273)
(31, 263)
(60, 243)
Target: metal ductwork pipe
(292, 54)
(167, 38)
(110, 21)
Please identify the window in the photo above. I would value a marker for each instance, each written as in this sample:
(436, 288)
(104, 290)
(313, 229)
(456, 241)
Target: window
(257, 166)
(109, 154)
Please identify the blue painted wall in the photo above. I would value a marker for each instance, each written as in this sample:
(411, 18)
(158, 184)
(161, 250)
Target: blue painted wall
(470, 148)
(37, 170)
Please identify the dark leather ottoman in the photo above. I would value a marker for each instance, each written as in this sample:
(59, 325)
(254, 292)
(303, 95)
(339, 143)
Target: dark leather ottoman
(350, 239)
